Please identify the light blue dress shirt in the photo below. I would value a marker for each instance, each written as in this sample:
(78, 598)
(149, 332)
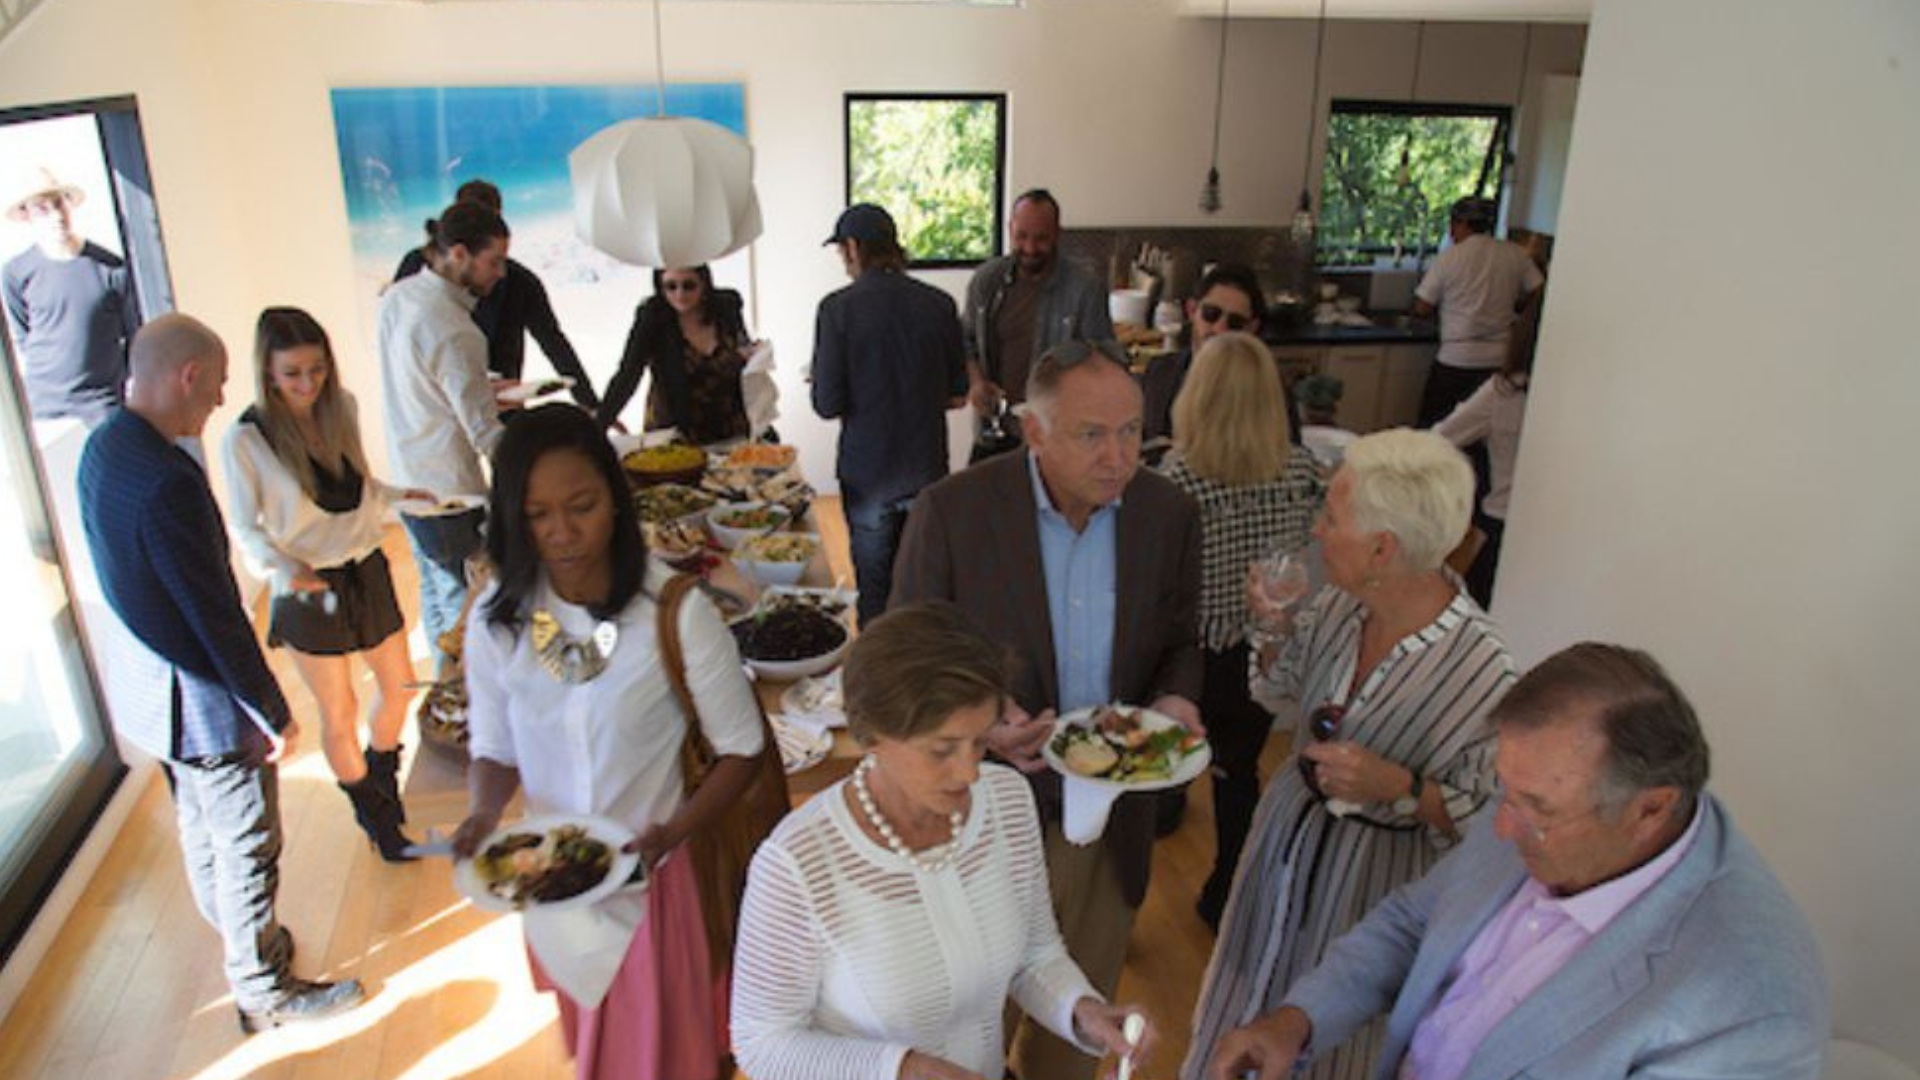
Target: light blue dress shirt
(1081, 570)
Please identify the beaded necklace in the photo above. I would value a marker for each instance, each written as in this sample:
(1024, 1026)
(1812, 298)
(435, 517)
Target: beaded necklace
(931, 861)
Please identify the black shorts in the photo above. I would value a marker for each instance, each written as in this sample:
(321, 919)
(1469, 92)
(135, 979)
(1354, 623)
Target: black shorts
(364, 614)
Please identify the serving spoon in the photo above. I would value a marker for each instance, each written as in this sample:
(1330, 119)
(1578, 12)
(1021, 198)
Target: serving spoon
(1134, 1027)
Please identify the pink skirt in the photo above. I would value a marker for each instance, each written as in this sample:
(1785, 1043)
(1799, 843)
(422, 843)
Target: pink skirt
(653, 1024)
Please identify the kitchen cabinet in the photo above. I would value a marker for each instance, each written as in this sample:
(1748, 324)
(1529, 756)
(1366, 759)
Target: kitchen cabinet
(1382, 379)
(1403, 382)
(1359, 368)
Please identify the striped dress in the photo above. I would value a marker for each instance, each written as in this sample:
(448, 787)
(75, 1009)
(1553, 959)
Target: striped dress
(1307, 876)
(849, 956)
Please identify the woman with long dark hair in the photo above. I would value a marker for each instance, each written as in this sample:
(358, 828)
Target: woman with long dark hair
(694, 340)
(308, 515)
(568, 699)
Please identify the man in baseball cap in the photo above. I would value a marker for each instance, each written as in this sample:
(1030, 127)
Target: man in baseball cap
(70, 302)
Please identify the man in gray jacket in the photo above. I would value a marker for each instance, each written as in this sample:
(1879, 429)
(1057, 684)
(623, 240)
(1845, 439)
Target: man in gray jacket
(1019, 306)
(1612, 922)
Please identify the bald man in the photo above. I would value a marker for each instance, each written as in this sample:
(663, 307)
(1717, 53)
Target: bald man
(204, 702)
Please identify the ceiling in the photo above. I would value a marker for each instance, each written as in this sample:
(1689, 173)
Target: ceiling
(1436, 10)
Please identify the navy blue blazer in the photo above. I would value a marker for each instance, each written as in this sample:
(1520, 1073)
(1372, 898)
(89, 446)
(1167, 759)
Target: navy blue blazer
(202, 687)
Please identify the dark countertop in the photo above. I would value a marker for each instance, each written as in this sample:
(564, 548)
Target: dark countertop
(1388, 333)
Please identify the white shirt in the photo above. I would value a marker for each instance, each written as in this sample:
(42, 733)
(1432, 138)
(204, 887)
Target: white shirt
(849, 956)
(609, 746)
(1476, 284)
(440, 411)
(278, 525)
(1494, 412)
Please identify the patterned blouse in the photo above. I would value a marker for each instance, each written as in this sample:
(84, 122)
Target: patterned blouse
(1241, 525)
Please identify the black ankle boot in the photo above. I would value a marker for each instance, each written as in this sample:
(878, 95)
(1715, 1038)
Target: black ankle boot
(384, 767)
(379, 817)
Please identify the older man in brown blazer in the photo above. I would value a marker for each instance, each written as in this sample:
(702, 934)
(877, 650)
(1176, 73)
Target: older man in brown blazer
(1089, 569)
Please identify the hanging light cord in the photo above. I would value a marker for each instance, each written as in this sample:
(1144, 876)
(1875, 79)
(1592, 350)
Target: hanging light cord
(1419, 49)
(1220, 85)
(1313, 102)
(1526, 58)
(659, 66)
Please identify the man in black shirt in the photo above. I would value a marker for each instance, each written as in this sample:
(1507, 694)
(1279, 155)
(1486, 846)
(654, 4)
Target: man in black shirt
(512, 309)
(72, 306)
(887, 364)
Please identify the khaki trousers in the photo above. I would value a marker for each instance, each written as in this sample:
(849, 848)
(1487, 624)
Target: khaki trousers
(1095, 924)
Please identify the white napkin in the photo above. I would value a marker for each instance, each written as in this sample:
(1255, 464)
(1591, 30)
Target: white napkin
(1084, 808)
(816, 724)
(582, 949)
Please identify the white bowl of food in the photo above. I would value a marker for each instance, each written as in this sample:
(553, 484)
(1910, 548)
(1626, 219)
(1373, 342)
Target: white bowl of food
(790, 642)
(733, 524)
(777, 558)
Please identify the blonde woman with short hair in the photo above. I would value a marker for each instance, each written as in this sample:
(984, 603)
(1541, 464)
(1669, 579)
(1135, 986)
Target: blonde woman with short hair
(1258, 493)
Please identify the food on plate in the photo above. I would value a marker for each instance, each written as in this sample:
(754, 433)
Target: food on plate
(674, 539)
(534, 868)
(671, 458)
(666, 502)
(1115, 743)
(777, 548)
(786, 634)
(751, 517)
(443, 713)
(762, 456)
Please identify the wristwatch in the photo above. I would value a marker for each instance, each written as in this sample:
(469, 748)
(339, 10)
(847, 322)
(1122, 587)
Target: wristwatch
(1409, 804)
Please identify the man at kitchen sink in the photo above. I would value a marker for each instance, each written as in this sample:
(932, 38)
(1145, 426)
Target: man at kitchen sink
(1478, 286)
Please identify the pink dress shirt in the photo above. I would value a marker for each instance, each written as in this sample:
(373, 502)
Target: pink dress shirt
(1532, 937)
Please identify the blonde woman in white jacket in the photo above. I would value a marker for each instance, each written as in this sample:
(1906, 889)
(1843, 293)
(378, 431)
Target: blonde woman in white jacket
(307, 516)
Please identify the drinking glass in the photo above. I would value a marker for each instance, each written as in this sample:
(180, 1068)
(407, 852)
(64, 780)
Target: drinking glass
(1280, 580)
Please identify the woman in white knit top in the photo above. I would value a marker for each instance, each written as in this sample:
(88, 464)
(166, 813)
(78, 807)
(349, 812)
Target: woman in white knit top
(887, 921)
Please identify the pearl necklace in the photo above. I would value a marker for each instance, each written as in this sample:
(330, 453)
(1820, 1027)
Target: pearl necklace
(931, 861)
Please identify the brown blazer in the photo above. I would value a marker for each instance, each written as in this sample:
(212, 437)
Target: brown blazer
(974, 539)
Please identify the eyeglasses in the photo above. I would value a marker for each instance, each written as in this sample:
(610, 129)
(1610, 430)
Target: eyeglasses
(1323, 724)
(1213, 313)
(1068, 353)
(686, 285)
(1530, 819)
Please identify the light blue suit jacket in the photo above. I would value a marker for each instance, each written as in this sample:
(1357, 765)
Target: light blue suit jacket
(1711, 973)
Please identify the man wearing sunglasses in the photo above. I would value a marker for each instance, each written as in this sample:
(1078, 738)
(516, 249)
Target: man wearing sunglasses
(1088, 567)
(1610, 922)
(1019, 306)
(1228, 298)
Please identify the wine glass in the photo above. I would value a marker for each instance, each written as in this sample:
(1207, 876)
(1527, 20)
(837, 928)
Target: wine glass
(1278, 583)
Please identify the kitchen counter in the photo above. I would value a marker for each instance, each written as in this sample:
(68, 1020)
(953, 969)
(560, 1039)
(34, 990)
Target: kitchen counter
(1387, 333)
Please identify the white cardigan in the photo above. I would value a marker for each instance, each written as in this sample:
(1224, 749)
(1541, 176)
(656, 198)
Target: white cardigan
(848, 956)
(279, 527)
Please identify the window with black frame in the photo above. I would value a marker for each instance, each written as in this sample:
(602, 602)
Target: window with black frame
(936, 162)
(1393, 171)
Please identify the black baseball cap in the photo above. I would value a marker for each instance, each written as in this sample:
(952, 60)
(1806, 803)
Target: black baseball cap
(866, 223)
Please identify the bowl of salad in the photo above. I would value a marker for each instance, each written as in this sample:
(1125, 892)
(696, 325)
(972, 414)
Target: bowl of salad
(734, 524)
(779, 558)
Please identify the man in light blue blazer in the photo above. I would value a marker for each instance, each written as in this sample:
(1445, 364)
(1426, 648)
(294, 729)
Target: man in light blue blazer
(1610, 922)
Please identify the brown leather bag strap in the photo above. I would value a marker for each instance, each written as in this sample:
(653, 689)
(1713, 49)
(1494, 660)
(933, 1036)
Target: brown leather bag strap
(696, 754)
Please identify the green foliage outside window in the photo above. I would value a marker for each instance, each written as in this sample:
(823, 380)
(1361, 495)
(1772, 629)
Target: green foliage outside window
(1369, 204)
(934, 164)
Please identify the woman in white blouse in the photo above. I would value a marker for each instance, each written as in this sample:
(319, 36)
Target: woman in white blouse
(568, 700)
(307, 515)
(887, 921)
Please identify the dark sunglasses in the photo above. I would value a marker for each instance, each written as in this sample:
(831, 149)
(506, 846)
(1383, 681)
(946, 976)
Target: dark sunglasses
(1323, 724)
(1213, 313)
(1068, 353)
(680, 286)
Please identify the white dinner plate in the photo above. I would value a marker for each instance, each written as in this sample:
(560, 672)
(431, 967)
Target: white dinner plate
(452, 504)
(532, 390)
(607, 831)
(1190, 766)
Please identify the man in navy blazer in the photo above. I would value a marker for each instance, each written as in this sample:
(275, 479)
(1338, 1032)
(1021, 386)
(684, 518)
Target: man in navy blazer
(1611, 922)
(205, 703)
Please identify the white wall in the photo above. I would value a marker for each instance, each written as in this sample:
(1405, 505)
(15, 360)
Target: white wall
(1717, 464)
(1110, 107)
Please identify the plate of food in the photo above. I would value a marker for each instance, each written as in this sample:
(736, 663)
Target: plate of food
(451, 504)
(662, 503)
(525, 393)
(816, 696)
(548, 861)
(790, 642)
(765, 457)
(1127, 748)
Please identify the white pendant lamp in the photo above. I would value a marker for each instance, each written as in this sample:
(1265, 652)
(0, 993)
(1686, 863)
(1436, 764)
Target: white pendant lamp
(665, 191)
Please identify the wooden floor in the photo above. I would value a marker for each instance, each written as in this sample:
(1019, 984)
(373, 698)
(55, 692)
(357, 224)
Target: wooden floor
(132, 987)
